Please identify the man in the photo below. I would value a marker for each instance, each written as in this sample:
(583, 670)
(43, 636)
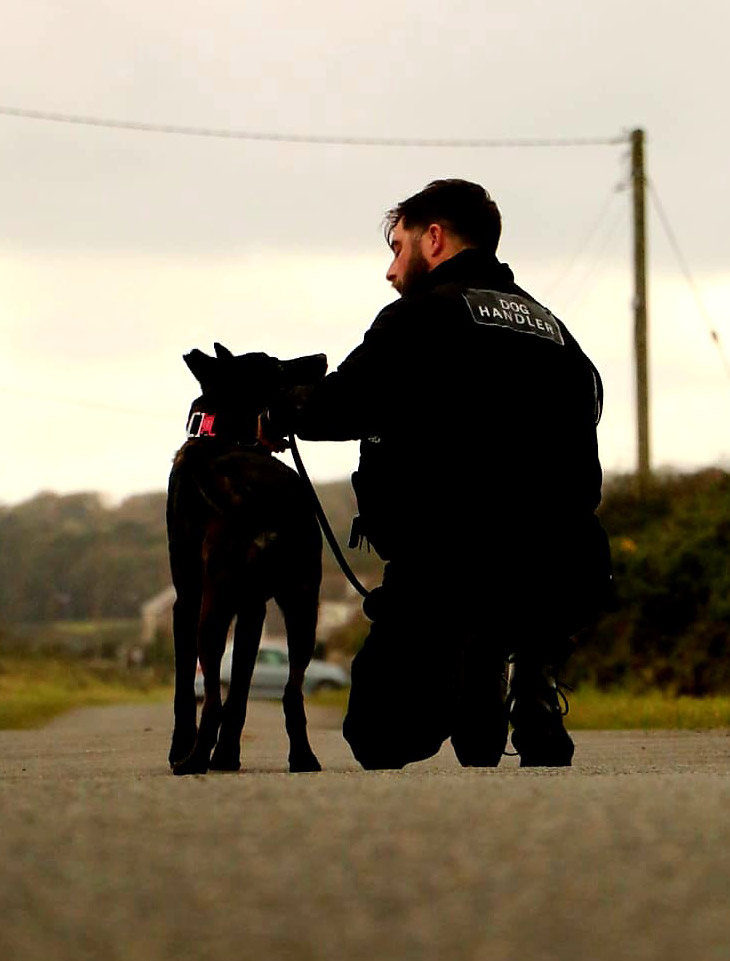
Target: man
(478, 481)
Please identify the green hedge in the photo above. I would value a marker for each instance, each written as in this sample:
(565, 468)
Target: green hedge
(671, 555)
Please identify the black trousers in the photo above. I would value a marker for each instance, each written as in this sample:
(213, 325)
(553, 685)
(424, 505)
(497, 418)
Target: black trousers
(427, 671)
(432, 666)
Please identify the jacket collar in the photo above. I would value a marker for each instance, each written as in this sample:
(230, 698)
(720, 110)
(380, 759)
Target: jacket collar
(471, 267)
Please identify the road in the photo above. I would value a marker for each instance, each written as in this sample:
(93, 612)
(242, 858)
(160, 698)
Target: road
(105, 855)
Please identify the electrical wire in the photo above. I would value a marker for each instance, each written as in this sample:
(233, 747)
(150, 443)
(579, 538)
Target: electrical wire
(585, 282)
(684, 267)
(287, 138)
(585, 243)
(271, 137)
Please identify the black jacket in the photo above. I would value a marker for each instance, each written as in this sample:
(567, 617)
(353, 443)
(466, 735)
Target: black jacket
(477, 415)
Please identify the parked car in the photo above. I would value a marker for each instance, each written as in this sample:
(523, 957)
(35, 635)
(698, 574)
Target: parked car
(271, 671)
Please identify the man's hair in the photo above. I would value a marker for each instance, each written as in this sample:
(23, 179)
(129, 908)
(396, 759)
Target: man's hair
(463, 208)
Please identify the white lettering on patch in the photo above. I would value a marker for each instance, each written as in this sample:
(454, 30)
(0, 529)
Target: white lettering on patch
(491, 308)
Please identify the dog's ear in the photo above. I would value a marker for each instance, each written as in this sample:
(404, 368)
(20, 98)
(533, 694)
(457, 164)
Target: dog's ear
(304, 370)
(221, 352)
(201, 366)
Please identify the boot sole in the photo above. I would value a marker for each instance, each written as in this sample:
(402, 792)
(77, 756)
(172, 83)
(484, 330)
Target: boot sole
(548, 752)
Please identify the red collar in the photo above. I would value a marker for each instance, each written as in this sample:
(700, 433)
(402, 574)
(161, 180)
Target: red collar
(201, 424)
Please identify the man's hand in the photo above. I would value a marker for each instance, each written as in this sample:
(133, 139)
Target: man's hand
(272, 443)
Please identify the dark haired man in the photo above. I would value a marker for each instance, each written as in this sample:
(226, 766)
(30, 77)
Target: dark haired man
(478, 482)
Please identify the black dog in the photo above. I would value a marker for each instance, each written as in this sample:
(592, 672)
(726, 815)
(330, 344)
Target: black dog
(241, 530)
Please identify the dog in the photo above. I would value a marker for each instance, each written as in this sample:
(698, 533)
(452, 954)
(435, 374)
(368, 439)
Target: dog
(241, 530)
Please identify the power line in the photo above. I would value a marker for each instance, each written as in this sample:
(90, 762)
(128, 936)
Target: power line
(273, 137)
(589, 279)
(684, 267)
(585, 243)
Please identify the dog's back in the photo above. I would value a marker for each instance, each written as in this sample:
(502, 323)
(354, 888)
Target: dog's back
(244, 512)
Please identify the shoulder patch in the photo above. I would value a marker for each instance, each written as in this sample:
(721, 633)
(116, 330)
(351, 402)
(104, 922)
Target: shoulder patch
(494, 309)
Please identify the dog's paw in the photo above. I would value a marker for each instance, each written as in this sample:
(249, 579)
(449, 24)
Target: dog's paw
(226, 758)
(304, 763)
(195, 763)
(181, 747)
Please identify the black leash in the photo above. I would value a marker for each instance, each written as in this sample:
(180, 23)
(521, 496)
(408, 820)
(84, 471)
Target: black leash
(323, 522)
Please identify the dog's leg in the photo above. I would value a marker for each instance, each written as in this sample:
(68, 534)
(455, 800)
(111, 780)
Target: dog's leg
(250, 622)
(184, 539)
(300, 616)
(185, 613)
(215, 619)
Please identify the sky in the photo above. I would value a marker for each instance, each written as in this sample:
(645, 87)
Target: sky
(120, 250)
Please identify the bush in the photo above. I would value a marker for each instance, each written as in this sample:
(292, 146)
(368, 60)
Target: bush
(670, 553)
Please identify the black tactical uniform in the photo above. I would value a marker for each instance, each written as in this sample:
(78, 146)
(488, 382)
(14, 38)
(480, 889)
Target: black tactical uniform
(478, 481)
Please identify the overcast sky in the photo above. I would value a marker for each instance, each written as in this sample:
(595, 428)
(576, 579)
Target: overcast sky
(121, 250)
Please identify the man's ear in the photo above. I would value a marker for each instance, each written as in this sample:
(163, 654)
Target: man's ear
(201, 366)
(303, 370)
(433, 240)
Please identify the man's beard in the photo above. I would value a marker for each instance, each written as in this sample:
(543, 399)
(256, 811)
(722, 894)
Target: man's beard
(414, 278)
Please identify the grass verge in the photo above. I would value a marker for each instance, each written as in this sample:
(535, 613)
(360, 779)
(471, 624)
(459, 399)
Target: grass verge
(35, 689)
(619, 710)
(592, 710)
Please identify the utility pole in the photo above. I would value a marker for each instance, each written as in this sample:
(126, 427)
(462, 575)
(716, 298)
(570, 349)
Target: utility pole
(638, 182)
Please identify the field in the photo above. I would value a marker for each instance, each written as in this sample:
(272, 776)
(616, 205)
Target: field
(34, 689)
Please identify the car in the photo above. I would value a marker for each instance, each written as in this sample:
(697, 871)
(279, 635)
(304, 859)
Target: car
(271, 671)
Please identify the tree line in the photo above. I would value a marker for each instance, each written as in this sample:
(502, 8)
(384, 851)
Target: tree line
(74, 557)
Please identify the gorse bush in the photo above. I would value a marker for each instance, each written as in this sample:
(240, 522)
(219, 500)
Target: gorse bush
(670, 553)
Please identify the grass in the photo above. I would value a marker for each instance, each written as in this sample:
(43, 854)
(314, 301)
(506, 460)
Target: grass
(337, 698)
(619, 710)
(94, 638)
(35, 689)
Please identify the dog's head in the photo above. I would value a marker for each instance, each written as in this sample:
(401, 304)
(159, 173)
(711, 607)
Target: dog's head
(246, 384)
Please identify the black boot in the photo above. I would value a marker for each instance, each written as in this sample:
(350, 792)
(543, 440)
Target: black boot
(536, 714)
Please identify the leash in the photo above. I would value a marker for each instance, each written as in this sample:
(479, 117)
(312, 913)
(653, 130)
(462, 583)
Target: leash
(323, 522)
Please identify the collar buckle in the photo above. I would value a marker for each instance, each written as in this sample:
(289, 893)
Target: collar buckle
(201, 424)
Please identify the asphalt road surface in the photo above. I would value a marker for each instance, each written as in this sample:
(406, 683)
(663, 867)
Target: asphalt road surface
(106, 856)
